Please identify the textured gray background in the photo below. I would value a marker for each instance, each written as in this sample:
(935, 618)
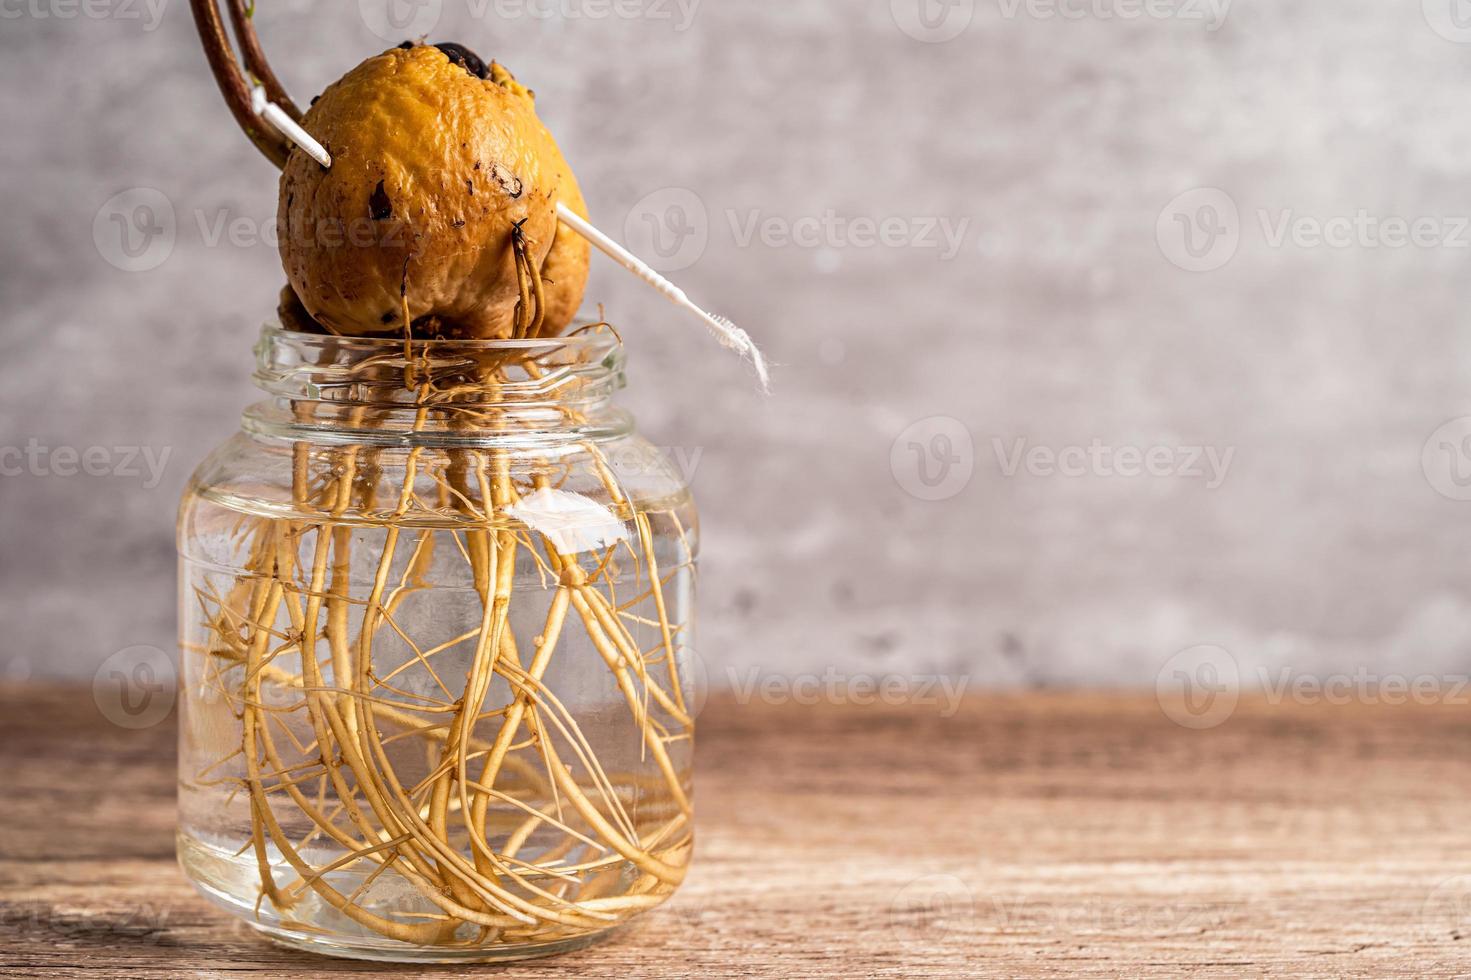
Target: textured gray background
(1061, 320)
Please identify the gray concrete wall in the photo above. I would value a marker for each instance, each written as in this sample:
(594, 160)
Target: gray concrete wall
(1143, 253)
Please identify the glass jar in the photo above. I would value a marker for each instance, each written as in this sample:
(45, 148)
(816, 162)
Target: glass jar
(435, 615)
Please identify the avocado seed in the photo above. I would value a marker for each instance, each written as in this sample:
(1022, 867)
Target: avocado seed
(439, 164)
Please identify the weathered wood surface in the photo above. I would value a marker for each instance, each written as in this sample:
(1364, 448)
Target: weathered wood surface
(1041, 836)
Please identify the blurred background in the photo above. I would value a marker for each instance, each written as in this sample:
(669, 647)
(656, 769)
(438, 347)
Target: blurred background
(1104, 328)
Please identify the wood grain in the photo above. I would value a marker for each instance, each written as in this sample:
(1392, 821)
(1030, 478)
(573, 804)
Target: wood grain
(1025, 836)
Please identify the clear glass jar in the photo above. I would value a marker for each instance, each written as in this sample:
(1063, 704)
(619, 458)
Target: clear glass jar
(436, 608)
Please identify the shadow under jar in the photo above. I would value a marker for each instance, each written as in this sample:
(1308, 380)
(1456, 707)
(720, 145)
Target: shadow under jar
(436, 614)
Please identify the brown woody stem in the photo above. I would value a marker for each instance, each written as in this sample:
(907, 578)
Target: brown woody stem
(243, 22)
(232, 84)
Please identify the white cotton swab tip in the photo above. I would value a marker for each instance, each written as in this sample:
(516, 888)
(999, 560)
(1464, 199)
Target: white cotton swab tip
(287, 127)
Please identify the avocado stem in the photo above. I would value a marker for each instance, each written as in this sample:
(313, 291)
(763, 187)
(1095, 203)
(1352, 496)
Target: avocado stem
(232, 84)
(242, 19)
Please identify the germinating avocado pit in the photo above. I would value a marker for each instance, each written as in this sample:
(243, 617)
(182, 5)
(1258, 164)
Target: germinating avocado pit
(446, 158)
(437, 596)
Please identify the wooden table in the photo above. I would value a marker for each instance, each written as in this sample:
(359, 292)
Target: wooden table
(1043, 835)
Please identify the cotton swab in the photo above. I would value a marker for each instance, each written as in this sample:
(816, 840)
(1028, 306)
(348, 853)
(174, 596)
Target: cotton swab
(727, 333)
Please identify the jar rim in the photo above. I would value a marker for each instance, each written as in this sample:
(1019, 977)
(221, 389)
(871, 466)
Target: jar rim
(580, 370)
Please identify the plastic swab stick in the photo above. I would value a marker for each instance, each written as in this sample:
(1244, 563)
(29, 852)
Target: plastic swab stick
(287, 127)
